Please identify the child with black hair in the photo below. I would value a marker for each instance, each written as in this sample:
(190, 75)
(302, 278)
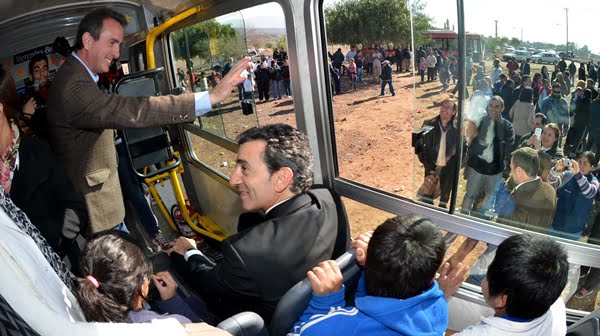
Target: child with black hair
(397, 294)
(523, 286)
(117, 281)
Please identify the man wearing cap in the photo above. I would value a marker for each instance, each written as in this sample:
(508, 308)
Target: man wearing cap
(386, 77)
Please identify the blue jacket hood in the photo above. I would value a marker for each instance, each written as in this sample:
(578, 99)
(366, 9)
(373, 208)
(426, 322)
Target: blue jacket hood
(424, 314)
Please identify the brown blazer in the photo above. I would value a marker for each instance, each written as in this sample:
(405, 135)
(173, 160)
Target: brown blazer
(81, 119)
(535, 203)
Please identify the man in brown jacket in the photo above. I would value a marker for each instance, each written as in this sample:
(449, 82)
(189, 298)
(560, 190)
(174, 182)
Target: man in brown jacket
(532, 202)
(82, 117)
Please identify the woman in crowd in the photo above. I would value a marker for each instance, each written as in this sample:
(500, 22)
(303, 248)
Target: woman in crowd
(575, 188)
(36, 182)
(437, 151)
(560, 79)
(536, 83)
(582, 118)
(545, 74)
(522, 113)
(548, 148)
(581, 73)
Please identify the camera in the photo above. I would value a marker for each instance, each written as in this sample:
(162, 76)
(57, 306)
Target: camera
(568, 163)
(418, 139)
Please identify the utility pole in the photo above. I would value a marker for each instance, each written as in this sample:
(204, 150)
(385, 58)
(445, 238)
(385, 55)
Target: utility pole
(496, 28)
(567, 16)
(521, 35)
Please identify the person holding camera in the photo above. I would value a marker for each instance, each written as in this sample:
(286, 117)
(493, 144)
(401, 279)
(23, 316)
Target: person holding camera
(436, 151)
(575, 188)
(547, 146)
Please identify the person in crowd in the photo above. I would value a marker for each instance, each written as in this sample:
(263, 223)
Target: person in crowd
(554, 73)
(575, 188)
(377, 57)
(496, 71)
(545, 90)
(512, 66)
(572, 71)
(36, 182)
(548, 147)
(273, 175)
(276, 77)
(335, 79)
(568, 79)
(351, 54)
(499, 84)
(431, 62)
(523, 285)
(37, 85)
(591, 85)
(536, 83)
(438, 152)
(468, 68)
(525, 68)
(593, 73)
(556, 107)
(352, 70)
(338, 59)
(81, 117)
(406, 59)
(564, 88)
(544, 72)
(489, 141)
(522, 113)
(39, 288)
(562, 65)
(262, 82)
(594, 126)
(358, 59)
(578, 130)
(422, 69)
(525, 82)
(287, 79)
(581, 74)
(539, 121)
(386, 78)
(117, 277)
(506, 92)
(526, 201)
(397, 293)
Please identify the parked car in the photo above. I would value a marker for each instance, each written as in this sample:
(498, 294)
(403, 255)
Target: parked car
(565, 54)
(519, 55)
(509, 49)
(546, 57)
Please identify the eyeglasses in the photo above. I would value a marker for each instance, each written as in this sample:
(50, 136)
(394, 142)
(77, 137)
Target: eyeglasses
(557, 92)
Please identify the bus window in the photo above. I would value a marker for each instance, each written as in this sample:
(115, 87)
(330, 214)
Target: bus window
(363, 218)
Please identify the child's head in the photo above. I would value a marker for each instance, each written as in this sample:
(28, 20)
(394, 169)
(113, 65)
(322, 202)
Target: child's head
(527, 276)
(116, 274)
(403, 256)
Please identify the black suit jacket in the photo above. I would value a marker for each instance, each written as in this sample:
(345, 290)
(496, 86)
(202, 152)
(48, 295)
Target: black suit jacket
(264, 260)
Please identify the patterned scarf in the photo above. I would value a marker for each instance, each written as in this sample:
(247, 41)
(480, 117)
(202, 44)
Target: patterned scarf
(25, 225)
(8, 159)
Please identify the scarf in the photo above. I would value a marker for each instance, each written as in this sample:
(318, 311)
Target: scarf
(8, 159)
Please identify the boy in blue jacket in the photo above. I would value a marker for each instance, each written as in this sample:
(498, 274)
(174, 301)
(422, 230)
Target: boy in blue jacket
(397, 293)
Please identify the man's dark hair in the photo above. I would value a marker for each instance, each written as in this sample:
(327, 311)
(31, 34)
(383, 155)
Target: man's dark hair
(93, 22)
(542, 116)
(286, 147)
(35, 59)
(403, 255)
(532, 271)
(556, 85)
(524, 78)
(527, 159)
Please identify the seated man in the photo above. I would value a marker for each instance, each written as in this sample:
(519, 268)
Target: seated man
(523, 286)
(397, 293)
(269, 254)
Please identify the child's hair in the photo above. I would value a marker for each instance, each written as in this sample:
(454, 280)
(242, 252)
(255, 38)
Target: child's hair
(115, 268)
(532, 271)
(403, 255)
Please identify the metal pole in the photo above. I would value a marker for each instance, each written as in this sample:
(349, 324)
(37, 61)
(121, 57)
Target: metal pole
(567, 16)
(496, 21)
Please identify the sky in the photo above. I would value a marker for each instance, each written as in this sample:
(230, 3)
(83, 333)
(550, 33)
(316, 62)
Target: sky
(541, 21)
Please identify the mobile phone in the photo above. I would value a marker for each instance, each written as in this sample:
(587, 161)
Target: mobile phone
(538, 133)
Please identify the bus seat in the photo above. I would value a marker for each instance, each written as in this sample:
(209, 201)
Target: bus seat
(587, 326)
(145, 146)
(296, 299)
(244, 324)
(342, 240)
(11, 322)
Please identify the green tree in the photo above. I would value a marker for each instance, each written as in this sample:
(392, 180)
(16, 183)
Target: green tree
(281, 43)
(375, 22)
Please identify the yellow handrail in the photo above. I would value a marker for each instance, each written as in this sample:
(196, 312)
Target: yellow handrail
(154, 32)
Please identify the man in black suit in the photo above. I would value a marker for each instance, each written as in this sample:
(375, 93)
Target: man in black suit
(295, 229)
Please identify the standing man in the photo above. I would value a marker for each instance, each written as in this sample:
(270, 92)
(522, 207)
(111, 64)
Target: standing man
(295, 230)
(82, 118)
(386, 78)
(556, 108)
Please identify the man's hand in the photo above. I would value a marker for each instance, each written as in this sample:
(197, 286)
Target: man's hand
(234, 77)
(181, 245)
(166, 285)
(471, 131)
(203, 329)
(430, 184)
(450, 282)
(361, 244)
(326, 278)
